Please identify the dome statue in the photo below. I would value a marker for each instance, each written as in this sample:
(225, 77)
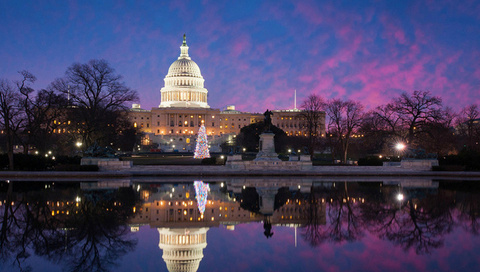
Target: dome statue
(184, 83)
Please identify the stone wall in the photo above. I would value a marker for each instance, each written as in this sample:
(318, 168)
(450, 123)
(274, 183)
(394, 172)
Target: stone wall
(235, 162)
(107, 164)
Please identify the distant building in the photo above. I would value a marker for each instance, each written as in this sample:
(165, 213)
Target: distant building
(173, 125)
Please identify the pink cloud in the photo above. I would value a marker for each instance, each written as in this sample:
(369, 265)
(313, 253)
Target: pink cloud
(392, 32)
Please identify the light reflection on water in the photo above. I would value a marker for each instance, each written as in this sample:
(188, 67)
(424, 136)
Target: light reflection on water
(248, 225)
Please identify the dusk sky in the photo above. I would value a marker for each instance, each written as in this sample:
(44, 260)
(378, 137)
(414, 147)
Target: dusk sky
(254, 54)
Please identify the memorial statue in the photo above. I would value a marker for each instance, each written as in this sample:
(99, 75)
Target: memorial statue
(268, 120)
(100, 152)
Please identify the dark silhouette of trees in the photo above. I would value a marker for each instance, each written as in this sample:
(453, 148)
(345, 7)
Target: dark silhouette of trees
(88, 235)
(468, 127)
(313, 116)
(344, 215)
(420, 221)
(41, 111)
(418, 119)
(98, 96)
(415, 112)
(343, 220)
(439, 135)
(345, 120)
(422, 228)
(313, 231)
(12, 116)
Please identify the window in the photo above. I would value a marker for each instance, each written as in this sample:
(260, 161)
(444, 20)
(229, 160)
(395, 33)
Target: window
(171, 123)
(148, 125)
(213, 124)
(191, 123)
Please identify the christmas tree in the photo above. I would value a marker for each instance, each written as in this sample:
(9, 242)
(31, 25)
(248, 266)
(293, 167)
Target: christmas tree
(201, 192)
(201, 150)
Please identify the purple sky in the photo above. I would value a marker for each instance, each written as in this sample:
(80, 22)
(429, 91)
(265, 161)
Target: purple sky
(254, 54)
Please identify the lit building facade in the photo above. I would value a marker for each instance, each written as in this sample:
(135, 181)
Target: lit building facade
(173, 125)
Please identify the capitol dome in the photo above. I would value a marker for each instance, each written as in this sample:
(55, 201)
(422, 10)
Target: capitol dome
(182, 248)
(184, 67)
(184, 83)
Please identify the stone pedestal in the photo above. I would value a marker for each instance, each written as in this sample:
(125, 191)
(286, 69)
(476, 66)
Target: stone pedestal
(95, 160)
(267, 148)
(418, 164)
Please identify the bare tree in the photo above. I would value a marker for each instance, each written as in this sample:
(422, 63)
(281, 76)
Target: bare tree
(95, 92)
(313, 115)
(438, 135)
(11, 114)
(468, 126)
(415, 111)
(40, 112)
(345, 120)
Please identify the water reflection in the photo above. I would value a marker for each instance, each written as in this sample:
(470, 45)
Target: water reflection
(87, 226)
(81, 230)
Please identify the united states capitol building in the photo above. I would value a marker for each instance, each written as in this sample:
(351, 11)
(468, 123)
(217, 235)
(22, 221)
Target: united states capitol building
(173, 125)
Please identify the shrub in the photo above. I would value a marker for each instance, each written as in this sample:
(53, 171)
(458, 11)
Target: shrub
(24, 162)
(370, 161)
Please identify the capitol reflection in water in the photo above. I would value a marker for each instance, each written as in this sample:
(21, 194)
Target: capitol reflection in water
(412, 214)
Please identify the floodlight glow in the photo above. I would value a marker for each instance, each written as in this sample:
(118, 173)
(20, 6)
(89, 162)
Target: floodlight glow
(400, 197)
(400, 146)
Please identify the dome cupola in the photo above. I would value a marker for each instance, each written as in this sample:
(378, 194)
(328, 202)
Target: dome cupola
(184, 83)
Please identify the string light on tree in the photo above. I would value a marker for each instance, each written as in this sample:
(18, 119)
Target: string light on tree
(201, 149)
(201, 192)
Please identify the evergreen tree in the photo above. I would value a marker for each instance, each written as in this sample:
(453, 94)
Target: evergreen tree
(201, 149)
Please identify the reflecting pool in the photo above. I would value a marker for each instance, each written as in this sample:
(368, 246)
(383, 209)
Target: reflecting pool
(240, 224)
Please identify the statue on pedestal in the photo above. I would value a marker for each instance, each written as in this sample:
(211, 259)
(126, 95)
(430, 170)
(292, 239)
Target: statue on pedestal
(268, 120)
